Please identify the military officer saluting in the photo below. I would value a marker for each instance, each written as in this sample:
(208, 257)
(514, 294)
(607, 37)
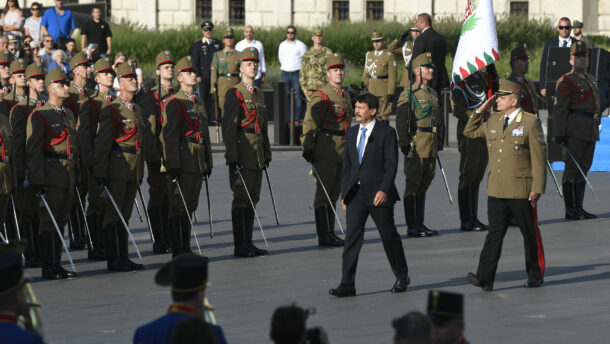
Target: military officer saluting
(88, 121)
(380, 76)
(328, 116)
(519, 64)
(517, 179)
(51, 143)
(247, 151)
(152, 103)
(576, 118)
(420, 128)
(187, 153)
(122, 135)
(225, 69)
(405, 50)
(313, 65)
(25, 199)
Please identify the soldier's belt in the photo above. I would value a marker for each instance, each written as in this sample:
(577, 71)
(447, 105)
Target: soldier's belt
(228, 75)
(426, 130)
(129, 150)
(332, 132)
(249, 131)
(378, 77)
(582, 114)
(54, 155)
(191, 140)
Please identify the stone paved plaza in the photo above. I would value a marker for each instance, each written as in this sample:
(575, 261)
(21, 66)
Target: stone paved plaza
(572, 305)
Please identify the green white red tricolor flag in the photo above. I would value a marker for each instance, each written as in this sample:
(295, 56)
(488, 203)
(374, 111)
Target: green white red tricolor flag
(478, 45)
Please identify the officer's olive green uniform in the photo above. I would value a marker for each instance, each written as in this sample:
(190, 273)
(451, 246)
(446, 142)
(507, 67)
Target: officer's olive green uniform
(247, 145)
(404, 50)
(187, 148)
(576, 119)
(527, 92)
(225, 73)
(419, 126)
(379, 78)
(313, 69)
(328, 116)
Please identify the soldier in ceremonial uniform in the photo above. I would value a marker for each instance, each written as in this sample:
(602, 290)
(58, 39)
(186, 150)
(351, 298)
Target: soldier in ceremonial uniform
(25, 199)
(187, 153)
(328, 116)
(380, 76)
(7, 173)
(517, 179)
(248, 151)
(225, 70)
(519, 64)
(404, 50)
(576, 118)
(152, 103)
(202, 55)
(188, 277)
(88, 120)
(313, 65)
(122, 135)
(472, 92)
(420, 129)
(17, 81)
(50, 143)
(5, 72)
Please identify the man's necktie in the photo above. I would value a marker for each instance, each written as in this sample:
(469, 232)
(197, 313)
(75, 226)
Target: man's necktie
(565, 44)
(361, 144)
(505, 122)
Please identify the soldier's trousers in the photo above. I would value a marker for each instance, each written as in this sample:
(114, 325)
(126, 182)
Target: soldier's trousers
(157, 188)
(473, 161)
(4, 200)
(60, 201)
(253, 179)
(190, 184)
(27, 204)
(330, 175)
(385, 107)
(94, 196)
(420, 173)
(124, 194)
(583, 153)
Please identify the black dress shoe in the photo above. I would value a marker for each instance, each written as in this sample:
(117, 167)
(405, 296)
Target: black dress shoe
(131, 264)
(573, 214)
(96, 254)
(585, 214)
(257, 251)
(428, 231)
(335, 237)
(468, 225)
(243, 251)
(328, 241)
(477, 282)
(64, 273)
(343, 290)
(161, 248)
(401, 284)
(77, 244)
(418, 232)
(480, 225)
(114, 264)
(533, 283)
(49, 272)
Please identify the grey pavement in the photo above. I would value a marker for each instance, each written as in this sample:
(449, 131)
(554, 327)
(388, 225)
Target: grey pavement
(572, 305)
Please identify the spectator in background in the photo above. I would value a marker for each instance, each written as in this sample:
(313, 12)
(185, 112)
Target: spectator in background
(27, 56)
(3, 43)
(35, 50)
(70, 49)
(46, 53)
(93, 52)
(59, 23)
(290, 54)
(12, 19)
(413, 328)
(32, 24)
(26, 40)
(97, 31)
(577, 34)
(13, 46)
(248, 42)
(139, 73)
(59, 61)
(118, 59)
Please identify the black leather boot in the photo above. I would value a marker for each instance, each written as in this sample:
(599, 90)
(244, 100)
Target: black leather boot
(413, 229)
(167, 236)
(58, 250)
(323, 230)
(75, 224)
(249, 222)
(240, 248)
(175, 231)
(570, 203)
(420, 200)
(474, 208)
(331, 224)
(466, 221)
(47, 256)
(112, 250)
(31, 258)
(579, 197)
(185, 224)
(97, 253)
(124, 250)
(155, 215)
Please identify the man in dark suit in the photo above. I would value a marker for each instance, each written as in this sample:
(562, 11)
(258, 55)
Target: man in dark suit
(433, 42)
(202, 55)
(563, 40)
(367, 188)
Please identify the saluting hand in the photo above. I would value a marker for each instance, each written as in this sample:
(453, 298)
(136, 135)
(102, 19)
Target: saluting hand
(487, 105)
(380, 198)
(533, 198)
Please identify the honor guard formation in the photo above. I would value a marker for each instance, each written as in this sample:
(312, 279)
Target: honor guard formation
(77, 142)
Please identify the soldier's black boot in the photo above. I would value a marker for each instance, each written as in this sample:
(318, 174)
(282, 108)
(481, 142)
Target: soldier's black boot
(411, 217)
(112, 250)
(175, 231)
(76, 239)
(57, 256)
(474, 201)
(331, 224)
(155, 215)
(123, 239)
(420, 200)
(569, 202)
(240, 248)
(185, 224)
(97, 252)
(27, 233)
(466, 222)
(579, 196)
(249, 221)
(167, 237)
(323, 230)
(47, 253)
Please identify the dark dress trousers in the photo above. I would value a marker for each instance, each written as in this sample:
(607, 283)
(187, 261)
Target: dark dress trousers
(360, 182)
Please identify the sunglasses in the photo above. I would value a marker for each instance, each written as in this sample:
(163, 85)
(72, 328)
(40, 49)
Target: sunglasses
(567, 27)
(290, 32)
(35, 9)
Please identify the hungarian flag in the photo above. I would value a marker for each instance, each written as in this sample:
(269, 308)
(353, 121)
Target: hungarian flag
(478, 45)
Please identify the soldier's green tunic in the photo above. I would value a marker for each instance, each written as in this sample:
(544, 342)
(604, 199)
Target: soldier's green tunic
(404, 50)
(379, 78)
(313, 69)
(328, 116)
(225, 73)
(528, 95)
(245, 135)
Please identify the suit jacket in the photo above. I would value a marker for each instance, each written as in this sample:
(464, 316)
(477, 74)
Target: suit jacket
(378, 168)
(545, 56)
(433, 42)
(202, 54)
